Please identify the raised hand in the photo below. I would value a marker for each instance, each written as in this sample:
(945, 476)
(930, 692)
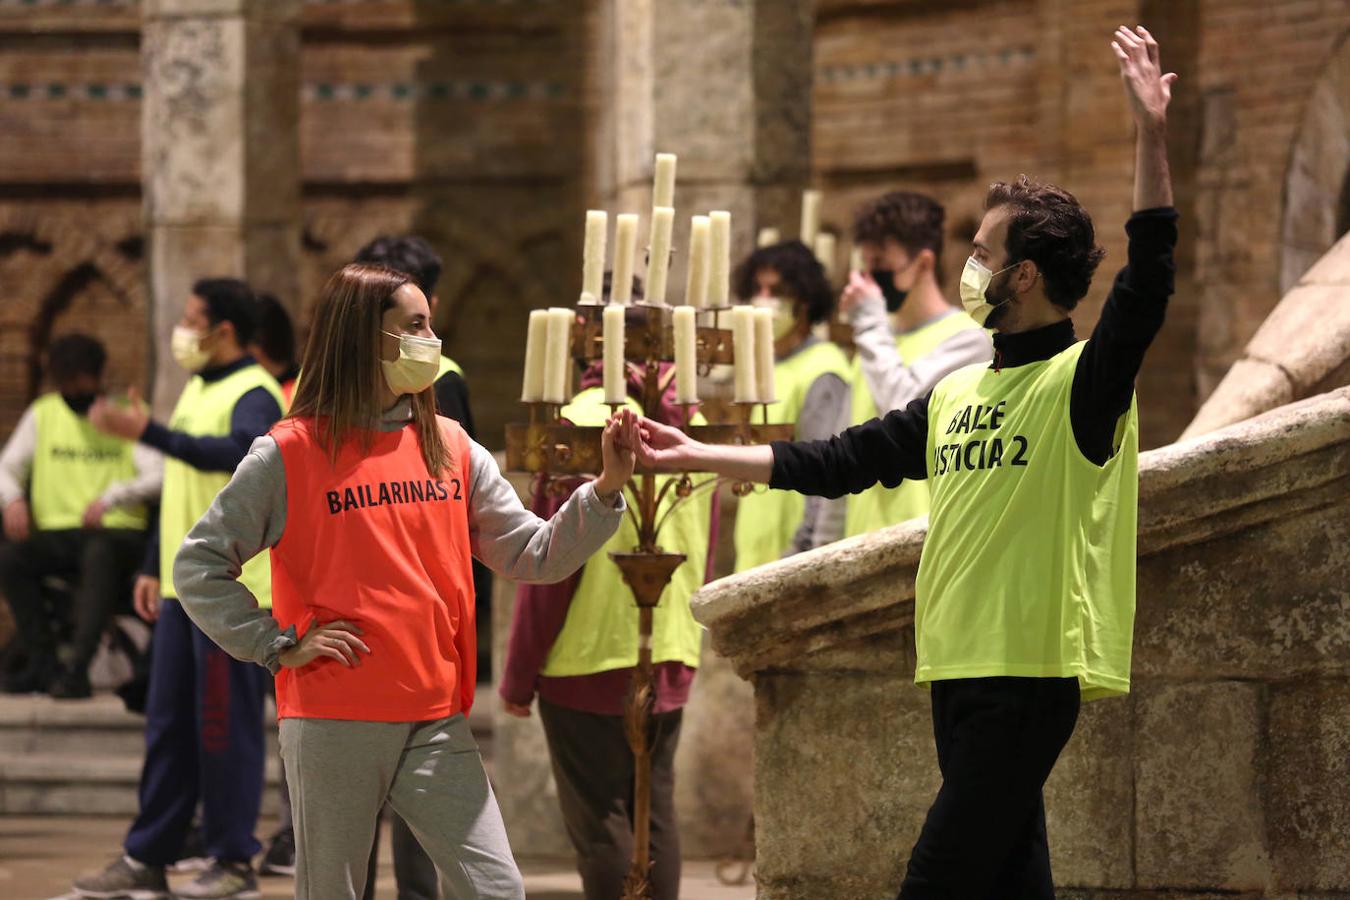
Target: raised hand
(661, 448)
(127, 422)
(860, 285)
(1148, 89)
(617, 449)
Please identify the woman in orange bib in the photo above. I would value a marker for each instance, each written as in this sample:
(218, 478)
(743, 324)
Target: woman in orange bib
(371, 507)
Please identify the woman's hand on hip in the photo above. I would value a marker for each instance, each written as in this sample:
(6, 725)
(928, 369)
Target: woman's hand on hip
(334, 640)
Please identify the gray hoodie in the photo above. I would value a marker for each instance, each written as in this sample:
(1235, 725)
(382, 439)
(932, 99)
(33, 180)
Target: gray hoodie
(249, 516)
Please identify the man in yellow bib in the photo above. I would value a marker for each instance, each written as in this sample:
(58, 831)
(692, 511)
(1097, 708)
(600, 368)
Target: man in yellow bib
(84, 517)
(811, 376)
(1024, 603)
(907, 335)
(203, 722)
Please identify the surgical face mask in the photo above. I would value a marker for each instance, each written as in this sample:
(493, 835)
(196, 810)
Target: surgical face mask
(975, 280)
(186, 346)
(79, 403)
(885, 279)
(419, 359)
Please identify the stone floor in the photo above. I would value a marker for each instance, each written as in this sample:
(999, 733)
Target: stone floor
(39, 855)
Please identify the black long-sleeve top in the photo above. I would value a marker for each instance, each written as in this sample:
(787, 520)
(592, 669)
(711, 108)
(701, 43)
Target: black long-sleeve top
(893, 448)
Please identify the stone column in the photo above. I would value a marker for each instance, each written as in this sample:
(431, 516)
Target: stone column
(219, 155)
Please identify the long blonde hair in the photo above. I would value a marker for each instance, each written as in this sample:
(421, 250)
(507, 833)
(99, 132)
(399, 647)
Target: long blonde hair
(340, 385)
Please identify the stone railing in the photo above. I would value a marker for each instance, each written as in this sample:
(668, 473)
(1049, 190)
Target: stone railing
(1228, 767)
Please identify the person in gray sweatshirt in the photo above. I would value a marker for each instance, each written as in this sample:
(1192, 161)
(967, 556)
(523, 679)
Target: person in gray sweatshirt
(372, 508)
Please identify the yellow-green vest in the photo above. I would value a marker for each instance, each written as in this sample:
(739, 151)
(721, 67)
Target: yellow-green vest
(878, 506)
(600, 632)
(73, 464)
(767, 519)
(203, 410)
(1029, 564)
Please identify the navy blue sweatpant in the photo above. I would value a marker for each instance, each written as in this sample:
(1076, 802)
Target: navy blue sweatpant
(203, 742)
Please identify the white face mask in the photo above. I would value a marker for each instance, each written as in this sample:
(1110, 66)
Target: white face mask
(975, 278)
(186, 347)
(419, 359)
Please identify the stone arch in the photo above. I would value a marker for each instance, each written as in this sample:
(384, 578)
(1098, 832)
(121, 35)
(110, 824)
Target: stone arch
(1317, 177)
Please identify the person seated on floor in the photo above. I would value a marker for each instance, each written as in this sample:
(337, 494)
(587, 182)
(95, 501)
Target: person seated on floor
(74, 502)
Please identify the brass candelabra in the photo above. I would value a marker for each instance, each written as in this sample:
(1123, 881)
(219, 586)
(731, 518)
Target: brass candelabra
(557, 450)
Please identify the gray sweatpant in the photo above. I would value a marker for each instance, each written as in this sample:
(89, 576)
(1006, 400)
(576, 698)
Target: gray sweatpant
(342, 772)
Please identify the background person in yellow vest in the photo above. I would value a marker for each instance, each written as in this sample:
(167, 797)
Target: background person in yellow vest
(908, 337)
(575, 645)
(413, 256)
(82, 517)
(203, 728)
(273, 345)
(1024, 603)
(811, 377)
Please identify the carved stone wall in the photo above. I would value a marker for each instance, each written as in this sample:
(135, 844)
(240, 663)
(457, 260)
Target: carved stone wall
(1224, 771)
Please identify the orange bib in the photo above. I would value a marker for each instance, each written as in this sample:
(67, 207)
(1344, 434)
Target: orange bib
(377, 541)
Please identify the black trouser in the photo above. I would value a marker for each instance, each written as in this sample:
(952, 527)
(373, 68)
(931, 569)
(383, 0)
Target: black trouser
(997, 740)
(414, 871)
(593, 767)
(100, 561)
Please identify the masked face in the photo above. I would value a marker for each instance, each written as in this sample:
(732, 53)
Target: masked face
(79, 402)
(976, 295)
(419, 359)
(885, 279)
(186, 346)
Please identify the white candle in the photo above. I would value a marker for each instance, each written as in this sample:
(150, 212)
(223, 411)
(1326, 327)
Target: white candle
(625, 258)
(825, 247)
(764, 362)
(719, 263)
(616, 374)
(588, 299)
(557, 354)
(767, 236)
(855, 260)
(658, 250)
(593, 254)
(536, 341)
(686, 355)
(810, 217)
(696, 287)
(743, 346)
(663, 185)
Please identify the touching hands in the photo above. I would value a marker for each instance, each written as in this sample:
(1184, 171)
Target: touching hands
(657, 447)
(616, 447)
(1148, 89)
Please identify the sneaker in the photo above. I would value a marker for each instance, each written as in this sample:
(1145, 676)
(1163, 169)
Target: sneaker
(32, 679)
(125, 880)
(71, 684)
(280, 856)
(223, 881)
(192, 858)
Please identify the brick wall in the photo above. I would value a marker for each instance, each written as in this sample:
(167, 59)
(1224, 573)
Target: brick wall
(467, 121)
(459, 120)
(948, 97)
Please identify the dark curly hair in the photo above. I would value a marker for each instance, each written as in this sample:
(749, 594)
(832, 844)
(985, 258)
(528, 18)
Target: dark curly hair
(408, 254)
(914, 221)
(1049, 227)
(801, 274)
